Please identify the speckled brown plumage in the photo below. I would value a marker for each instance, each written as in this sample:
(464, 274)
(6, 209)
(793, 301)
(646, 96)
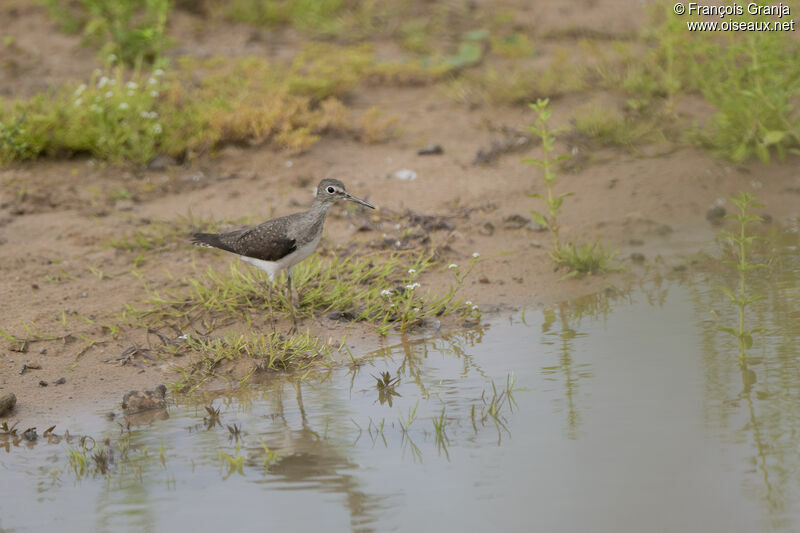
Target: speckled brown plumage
(280, 238)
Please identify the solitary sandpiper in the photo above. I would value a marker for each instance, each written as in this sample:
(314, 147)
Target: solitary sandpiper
(281, 243)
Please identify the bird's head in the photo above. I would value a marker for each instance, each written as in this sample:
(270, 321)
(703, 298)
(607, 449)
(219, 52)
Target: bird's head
(331, 190)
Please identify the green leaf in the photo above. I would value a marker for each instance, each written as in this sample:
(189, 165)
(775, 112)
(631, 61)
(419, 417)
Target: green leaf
(727, 292)
(532, 161)
(539, 218)
(728, 330)
(747, 340)
(535, 195)
(773, 137)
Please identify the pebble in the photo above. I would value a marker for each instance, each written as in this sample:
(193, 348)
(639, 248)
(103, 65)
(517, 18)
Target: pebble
(715, 215)
(431, 149)
(7, 402)
(637, 257)
(405, 174)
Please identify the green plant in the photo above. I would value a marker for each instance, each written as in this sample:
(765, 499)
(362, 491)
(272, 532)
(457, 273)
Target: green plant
(583, 258)
(742, 243)
(134, 30)
(376, 288)
(579, 258)
(607, 127)
(547, 164)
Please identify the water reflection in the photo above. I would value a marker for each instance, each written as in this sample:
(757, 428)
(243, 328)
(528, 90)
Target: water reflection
(630, 402)
(757, 401)
(560, 329)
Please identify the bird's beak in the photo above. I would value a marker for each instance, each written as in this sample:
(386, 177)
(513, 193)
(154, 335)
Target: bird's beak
(358, 200)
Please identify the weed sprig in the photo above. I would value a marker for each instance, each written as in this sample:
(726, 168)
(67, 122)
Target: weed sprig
(742, 243)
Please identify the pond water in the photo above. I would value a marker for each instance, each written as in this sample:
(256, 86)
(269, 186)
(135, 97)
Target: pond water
(614, 413)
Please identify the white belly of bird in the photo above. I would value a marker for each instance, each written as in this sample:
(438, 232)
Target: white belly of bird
(273, 268)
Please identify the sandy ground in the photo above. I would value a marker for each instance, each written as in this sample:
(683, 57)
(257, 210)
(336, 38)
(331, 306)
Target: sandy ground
(56, 217)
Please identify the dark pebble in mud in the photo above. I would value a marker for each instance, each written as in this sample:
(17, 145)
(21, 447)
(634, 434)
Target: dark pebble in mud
(60, 381)
(137, 401)
(637, 257)
(342, 316)
(433, 149)
(43, 383)
(715, 215)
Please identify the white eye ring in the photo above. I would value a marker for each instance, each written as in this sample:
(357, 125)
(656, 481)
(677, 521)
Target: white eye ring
(330, 190)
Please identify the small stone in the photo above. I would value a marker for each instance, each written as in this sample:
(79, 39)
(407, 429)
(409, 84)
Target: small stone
(43, 383)
(431, 149)
(766, 218)
(34, 286)
(43, 351)
(536, 244)
(33, 366)
(30, 435)
(483, 279)
(405, 174)
(637, 257)
(715, 215)
(7, 402)
(136, 401)
(61, 381)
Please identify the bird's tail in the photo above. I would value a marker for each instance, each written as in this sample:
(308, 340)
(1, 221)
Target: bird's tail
(206, 240)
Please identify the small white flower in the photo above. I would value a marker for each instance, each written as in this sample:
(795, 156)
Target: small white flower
(474, 307)
(152, 81)
(387, 292)
(132, 85)
(123, 105)
(109, 94)
(78, 102)
(476, 255)
(412, 271)
(102, 82)
(468, 302)
(452, 265)
(412, 286)
(112, 57)
(158, 72)
(157, 129)
(154, 94)
(80, 89)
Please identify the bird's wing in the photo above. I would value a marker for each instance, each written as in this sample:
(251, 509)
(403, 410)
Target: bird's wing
(267, 242)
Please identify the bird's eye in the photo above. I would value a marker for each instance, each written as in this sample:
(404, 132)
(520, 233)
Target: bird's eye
(330, 190)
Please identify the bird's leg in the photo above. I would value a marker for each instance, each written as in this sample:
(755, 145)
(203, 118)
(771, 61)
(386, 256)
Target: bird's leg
(290, 298)
(268, 287)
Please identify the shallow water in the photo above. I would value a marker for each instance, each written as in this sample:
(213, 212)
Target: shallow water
(618, 412)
